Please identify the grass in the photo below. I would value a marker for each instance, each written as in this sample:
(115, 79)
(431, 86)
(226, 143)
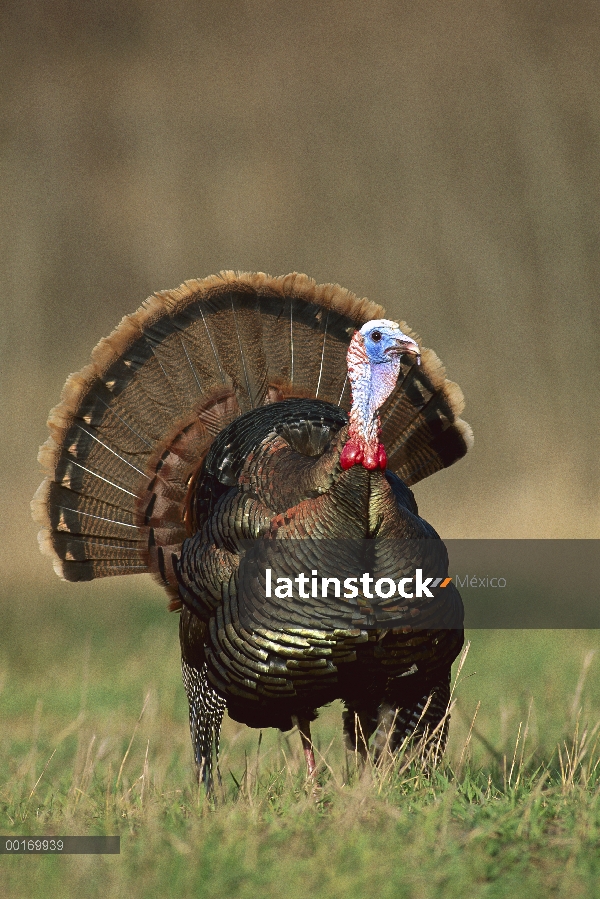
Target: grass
(95, 740)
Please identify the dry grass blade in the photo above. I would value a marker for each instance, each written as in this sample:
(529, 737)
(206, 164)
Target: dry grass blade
(461, 661)
(132, 739)
(467, 742)
(42, 774)
(145, 772)
(512, 767)
(525, 735)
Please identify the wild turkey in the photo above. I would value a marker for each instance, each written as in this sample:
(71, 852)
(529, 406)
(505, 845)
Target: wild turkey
(209, 443)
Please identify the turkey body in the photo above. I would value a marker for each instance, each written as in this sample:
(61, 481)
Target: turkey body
(275, 658)
(203, 444)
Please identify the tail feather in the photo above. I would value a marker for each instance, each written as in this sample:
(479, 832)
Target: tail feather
(134, 426)
(421, 427)
(237, 333)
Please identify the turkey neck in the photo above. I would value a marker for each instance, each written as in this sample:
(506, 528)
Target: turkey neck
(371, 385)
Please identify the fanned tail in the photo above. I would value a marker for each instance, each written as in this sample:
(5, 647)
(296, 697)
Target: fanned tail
(134, 426)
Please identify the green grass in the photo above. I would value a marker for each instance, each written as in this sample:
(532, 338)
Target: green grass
(513, 810)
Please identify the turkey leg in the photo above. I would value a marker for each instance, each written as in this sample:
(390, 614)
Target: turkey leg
(303, 725)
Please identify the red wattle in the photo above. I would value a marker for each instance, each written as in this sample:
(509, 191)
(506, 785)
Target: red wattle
(371, 461)
(350, 455)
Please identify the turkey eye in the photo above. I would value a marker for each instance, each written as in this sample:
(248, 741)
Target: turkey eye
(376, 336)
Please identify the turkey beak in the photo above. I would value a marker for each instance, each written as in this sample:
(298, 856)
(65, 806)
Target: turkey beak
(409, 346)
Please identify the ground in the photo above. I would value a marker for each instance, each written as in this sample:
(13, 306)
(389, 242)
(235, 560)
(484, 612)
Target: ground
(95, 740)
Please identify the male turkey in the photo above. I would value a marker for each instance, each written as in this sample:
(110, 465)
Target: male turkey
(229, 437)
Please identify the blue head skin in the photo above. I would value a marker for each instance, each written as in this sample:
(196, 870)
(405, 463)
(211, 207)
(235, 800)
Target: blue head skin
(385, 342)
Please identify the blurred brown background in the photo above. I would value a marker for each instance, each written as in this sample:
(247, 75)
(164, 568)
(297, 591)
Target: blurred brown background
(440, 158)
